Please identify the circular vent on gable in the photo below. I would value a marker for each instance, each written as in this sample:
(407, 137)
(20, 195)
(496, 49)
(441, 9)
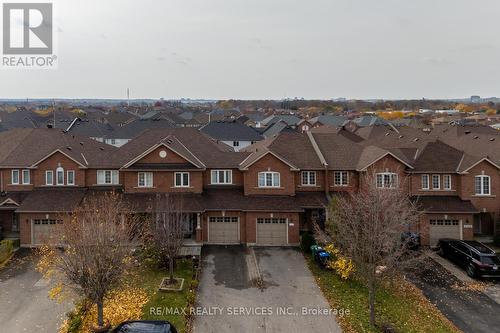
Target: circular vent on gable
(163, 153)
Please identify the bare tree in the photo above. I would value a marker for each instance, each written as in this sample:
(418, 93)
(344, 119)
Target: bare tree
(167, 229)
(96, 244)
(367, 226)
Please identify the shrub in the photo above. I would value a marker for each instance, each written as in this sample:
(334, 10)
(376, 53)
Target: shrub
(306, 241)
(6, 249)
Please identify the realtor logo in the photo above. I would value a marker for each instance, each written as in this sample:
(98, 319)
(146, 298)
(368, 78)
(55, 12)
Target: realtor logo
(28, 30)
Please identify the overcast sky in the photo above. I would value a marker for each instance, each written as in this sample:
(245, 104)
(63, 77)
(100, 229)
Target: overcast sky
(256, 49)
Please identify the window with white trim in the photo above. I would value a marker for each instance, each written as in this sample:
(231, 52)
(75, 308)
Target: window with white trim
(425, 182)
(309, 178)
(269, 179)
(145, 179)
(70, 177)
(14, 180)
(49, 177)
(236, 143)
(107, 177)
(387, 180)
(221, 177)
(340, 178)
(26, 177)
(482, 185)
(447, 182)
(436, 182)
(59, 176)
(181, 179)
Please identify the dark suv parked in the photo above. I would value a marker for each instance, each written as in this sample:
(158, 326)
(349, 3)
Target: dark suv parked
(477, 259)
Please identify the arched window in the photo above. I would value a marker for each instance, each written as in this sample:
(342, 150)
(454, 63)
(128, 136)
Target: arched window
(59, 176)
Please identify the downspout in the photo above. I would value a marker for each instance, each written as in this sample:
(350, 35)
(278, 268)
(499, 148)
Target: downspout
(1, 180)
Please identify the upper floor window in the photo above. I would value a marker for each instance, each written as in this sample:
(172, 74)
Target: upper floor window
(26, 177)
(425, 182)
(447, 182)
(107, 177)
(49, 177)
(387, 180)
(145, 179)
(340, 178)
(309, 178)
(436, 182)
(70, 177)
(269, 179)
(222, 176)
(236, 143)
(482, 185)
(15, 177)
(59, 176)
(182, 179)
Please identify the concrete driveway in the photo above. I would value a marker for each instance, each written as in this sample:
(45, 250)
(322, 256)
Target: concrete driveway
(24, 302)
(232, 298)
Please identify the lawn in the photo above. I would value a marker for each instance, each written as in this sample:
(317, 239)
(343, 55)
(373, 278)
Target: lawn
(161, 301)
(399, 304)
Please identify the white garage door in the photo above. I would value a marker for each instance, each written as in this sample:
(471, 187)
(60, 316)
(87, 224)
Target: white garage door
(223, 230)
(443, 229)
(272, 231)
(44, 230)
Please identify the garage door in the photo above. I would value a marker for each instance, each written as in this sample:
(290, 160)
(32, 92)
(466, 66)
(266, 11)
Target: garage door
(223, 230)
(443, 229)
(272, 231)
(44, 230)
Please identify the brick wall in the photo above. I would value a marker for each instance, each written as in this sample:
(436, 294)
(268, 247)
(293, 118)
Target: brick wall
(269, 163)
(6, 181)
(237, 176)
(352, 178)
(52, 163)
(320, 182)
(163, 181)
(416, 185)
(487, 203)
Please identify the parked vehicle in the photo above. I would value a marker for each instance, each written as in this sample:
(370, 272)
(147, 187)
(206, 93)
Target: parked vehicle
(145, 326)
(476, 258)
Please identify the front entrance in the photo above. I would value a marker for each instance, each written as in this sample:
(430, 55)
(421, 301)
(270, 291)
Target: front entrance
(483, 224)
(272, 231)
(224, 230)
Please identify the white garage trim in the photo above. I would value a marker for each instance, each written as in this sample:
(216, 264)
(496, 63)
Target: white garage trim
(237, 241)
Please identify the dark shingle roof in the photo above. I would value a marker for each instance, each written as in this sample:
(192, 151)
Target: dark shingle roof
(230, 131)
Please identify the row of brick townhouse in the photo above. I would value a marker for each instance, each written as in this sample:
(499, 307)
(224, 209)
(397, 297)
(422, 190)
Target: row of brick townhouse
(265, 194)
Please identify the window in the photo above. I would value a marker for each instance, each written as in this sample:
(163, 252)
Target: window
(71, 177)
(340, 178)
(182, 179)
(447, 182)
(269, 179)
(236, 143)
(271, 220)
(26, 177)
(49, 177)
(436, 182)
(308, 178)
(145, 179)
(226, 219)
(387, 180)
(15, 177)
(107, 177)
(425, 182)
(482, 185)
(59, 176)
(222, 176)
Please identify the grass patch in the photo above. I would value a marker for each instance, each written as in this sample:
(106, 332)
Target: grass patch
(161, 300)
(399, 304)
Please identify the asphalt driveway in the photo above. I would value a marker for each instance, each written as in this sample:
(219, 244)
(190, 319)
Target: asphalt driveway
(470, 310)
(24, 302)
(233, 299)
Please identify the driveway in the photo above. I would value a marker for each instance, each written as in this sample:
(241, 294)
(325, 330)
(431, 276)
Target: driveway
(470, 310)
(24, 302)
(232, 298)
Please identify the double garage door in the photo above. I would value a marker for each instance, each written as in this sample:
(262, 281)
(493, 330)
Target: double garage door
(272, 231)
(443, 229)
(226, 230)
